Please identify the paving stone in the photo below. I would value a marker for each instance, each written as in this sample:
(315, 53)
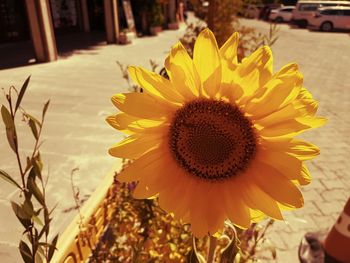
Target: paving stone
(335, 194)
(333, 184)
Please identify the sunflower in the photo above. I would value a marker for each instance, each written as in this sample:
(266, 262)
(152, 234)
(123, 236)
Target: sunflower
(216, 141)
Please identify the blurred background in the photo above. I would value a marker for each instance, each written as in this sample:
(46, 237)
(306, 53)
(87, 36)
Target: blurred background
(71, 49)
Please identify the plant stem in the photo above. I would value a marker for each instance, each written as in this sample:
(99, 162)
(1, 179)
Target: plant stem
(13, 115)
(211, 250)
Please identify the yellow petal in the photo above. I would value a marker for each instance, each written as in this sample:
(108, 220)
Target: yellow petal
(199, 225)
(249, 84)
(303, 150)
(231, 91)
(144, 191)
(287, 70)
(306, 106)
(304, 94)
(237, 211)
(257, 199)
(228, 51)
(260, 61)
(134, 171)
(292, 127)
(286, 113)
(154, 84)
(285, 163)
(256, 215)
(154, 180)
(181, 191)
(112, 120)
(229, 63)
(141, 105)
(280, 91)
(135, 145)
(207, 62)
(130, 124)
(305, 176)
(182, 72)
(297, 148)
(273, 183)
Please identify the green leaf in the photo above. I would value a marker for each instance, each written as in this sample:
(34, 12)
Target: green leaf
(28, 165)
(28, 207)
(38, 258)
(6, 117)
(46, 106)
(21, 93)
(45, 229)
(37, 167)
(19, 211)
(25, 222)
(52, 248)
(25, 252)
(37, 220)
(10, 127)
(40, 253)
(27, 115)
(33, 128)
(34, 189)
(37, 212)
(9, 179)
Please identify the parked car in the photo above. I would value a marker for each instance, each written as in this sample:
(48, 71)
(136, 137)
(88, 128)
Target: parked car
(282, 14)
(266, 10)
(251, 11)
(305, 9)
(329, 18)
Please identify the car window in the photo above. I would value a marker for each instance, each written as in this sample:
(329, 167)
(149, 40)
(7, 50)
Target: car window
(287, 10)
(329, 12)
(346, 12)
(328, 4)
(308, 7)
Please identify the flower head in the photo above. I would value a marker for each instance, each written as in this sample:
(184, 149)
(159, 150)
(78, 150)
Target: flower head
(216, 139)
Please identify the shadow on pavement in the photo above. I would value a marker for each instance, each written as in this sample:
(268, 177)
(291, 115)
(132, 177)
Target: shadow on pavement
(75, 43)
(18, 54)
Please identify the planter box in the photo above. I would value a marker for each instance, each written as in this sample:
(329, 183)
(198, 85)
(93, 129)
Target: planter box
(173, 26)
(123, 39)
(155, 30)
(83, 234)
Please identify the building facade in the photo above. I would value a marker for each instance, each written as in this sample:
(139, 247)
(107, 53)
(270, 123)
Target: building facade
(42, 21)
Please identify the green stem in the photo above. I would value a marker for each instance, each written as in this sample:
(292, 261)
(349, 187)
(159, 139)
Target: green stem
(211, 250)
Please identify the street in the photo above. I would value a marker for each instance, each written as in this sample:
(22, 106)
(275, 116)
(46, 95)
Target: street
(77, 136)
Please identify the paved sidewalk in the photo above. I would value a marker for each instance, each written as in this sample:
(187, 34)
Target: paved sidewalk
(324, 59)
(76, 135)
(75, 132)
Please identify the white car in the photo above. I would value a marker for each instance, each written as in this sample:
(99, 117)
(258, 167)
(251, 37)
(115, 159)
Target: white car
(282, 14)
(329, 18)
(306, 9)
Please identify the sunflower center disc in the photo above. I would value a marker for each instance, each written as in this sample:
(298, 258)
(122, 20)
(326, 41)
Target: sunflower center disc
(212, 139)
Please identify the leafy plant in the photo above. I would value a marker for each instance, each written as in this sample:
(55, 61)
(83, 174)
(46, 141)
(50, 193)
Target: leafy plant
(155, 14)
(249, 41)
(31, 211)
(140, 231)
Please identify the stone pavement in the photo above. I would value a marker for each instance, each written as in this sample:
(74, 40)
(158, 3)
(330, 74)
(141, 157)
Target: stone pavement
(324, 59)
(75, 132)
(76, 135)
